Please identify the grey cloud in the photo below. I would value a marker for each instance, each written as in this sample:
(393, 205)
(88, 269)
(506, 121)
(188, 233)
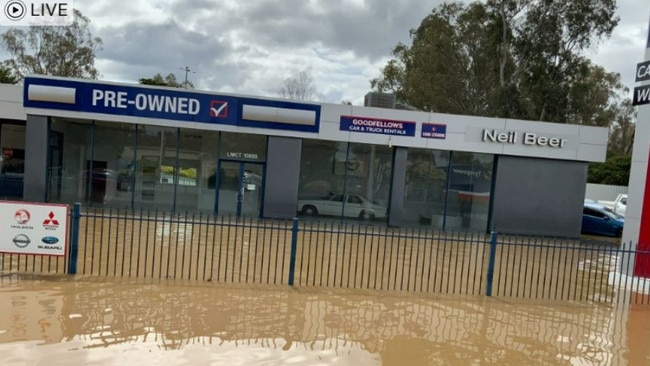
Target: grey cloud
(625, 48)
(164, 47)
(369, 31)
(228, 42)
(154, 44)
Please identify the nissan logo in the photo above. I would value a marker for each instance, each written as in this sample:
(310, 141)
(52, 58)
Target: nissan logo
(50, 240)
(21, 240)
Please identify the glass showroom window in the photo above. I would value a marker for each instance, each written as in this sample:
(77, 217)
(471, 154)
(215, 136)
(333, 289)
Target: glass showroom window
(155, 167)
(197, 162)
(70, 160)
(113, 164)
(426, 179)
(322, 176)
(12, 161)
(368, 174)
(470, 185)
(338, 179)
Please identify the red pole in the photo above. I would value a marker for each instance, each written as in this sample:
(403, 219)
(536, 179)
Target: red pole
(642, 262)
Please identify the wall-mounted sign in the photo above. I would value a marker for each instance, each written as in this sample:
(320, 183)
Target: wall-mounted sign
(169, 104)
(526, 138)
(641, 95)
(377, 125)
(30, 228)
(241, 155)
(642, 71)
(434, 131)
(242, 146)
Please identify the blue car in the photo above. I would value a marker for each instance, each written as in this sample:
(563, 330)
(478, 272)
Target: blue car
(600, 220)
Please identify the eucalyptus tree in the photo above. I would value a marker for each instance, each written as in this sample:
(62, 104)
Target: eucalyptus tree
(67, 51)
(508, 58)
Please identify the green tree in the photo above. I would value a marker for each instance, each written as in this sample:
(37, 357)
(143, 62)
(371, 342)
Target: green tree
(53, 50)
(169, 80)
(7, 76)
(621, 136)
(507, 58)
(614, 171)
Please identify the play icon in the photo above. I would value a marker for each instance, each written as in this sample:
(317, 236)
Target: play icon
(15, 10)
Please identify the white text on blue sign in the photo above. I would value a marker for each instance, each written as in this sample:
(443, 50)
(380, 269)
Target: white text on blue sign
(146, 102)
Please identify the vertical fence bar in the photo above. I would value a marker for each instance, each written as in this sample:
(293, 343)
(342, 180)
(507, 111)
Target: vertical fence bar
(284, 252)
(294, 248)
(74, 239)
(493, 253)
(306, 263)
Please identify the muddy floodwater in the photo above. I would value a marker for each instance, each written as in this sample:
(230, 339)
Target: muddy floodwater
(58, 320)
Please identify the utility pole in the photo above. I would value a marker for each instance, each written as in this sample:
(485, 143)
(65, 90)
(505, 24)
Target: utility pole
(187, 71)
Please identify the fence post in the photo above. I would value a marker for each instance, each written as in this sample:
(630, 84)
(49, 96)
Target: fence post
(74, 239)
(493, 254)
(294, 248)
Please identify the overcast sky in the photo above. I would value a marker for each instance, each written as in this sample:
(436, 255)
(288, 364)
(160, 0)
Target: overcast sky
(251, 46)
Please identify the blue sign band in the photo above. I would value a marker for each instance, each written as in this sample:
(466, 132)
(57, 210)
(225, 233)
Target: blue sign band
(178, 105)
(377, 126)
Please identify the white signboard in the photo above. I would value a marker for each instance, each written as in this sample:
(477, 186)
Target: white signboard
(33, 228)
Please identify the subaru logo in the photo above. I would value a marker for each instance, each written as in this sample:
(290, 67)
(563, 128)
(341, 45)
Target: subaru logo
(21, 240)
(50, 240)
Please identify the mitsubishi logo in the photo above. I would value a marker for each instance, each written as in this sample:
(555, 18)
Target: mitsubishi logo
(51, 221)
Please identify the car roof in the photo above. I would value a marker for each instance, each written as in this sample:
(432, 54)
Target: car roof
(595, 205)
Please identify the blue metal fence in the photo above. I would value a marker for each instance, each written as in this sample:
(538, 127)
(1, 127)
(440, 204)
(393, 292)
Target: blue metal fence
(191, 246)
(11, 186)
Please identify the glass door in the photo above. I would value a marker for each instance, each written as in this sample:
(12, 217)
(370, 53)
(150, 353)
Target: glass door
(240, 188)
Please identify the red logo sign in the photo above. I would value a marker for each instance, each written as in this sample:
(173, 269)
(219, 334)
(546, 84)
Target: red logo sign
(22, 216)
(51, 221)
(218, 109)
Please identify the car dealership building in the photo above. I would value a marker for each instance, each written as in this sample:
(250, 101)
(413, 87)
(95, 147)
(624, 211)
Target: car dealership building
(144, 147)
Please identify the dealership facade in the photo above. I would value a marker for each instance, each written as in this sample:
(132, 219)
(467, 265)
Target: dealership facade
(144, 147)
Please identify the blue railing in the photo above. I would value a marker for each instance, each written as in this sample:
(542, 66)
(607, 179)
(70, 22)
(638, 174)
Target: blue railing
(354, 255)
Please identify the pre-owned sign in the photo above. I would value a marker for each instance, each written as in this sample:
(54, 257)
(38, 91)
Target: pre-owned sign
(29, 228)
(166, 103)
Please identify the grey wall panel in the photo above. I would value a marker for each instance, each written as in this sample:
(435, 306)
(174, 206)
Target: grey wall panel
(539, 196)
(398, 186)
(36, 140)
(282, 177)
(604, 192)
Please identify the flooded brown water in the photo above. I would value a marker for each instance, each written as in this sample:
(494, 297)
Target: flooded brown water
(58, 320)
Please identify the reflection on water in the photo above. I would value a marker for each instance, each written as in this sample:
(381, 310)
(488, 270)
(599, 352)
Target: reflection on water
(62, 320)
